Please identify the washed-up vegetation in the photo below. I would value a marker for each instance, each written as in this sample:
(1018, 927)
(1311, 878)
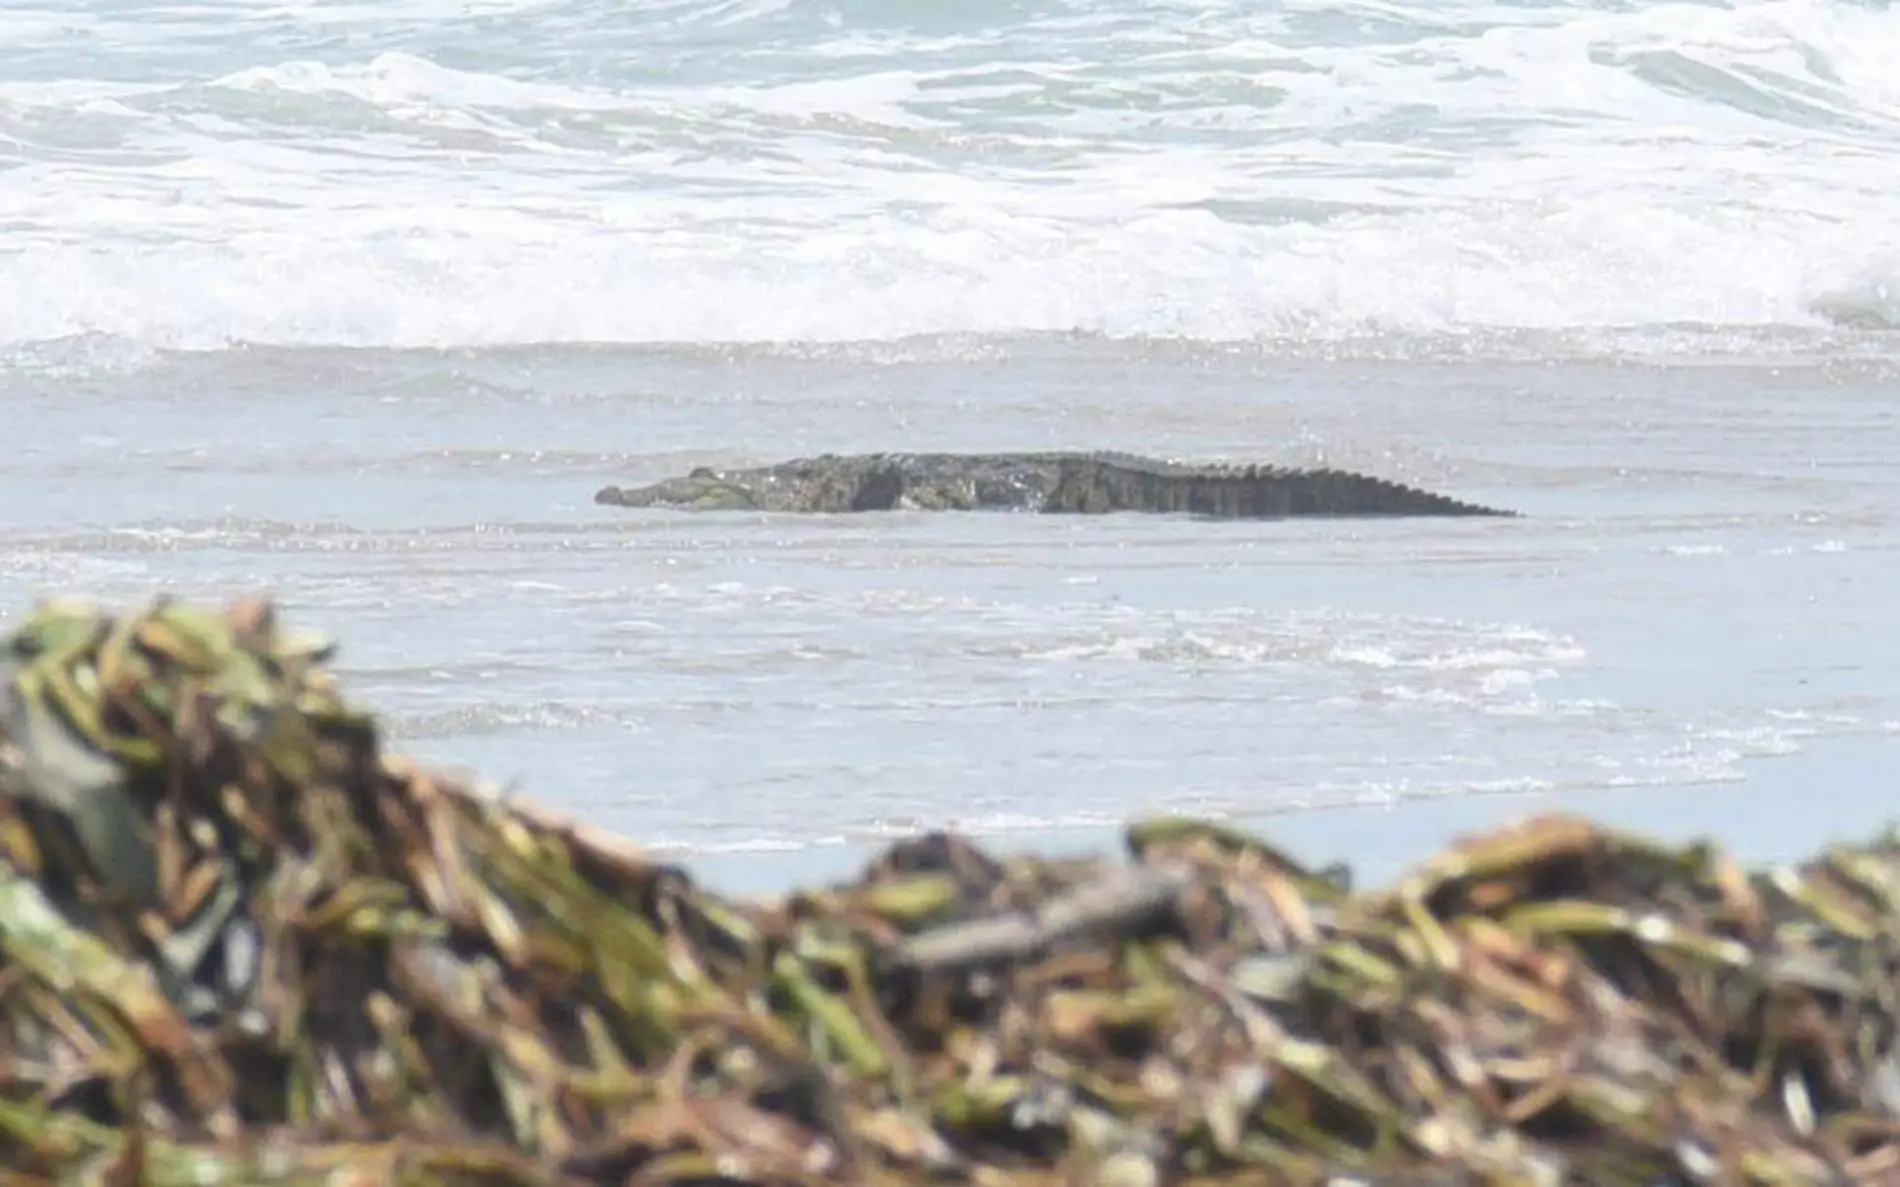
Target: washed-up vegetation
(239, 943)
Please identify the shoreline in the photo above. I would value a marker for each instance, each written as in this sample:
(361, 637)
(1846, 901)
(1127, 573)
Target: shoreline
(1771, 815)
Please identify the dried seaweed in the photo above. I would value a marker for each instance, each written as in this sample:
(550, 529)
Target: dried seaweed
(241, 944)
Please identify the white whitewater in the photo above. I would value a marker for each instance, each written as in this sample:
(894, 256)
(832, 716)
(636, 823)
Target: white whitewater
(373, 173)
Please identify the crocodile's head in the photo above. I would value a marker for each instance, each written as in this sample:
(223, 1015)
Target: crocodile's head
(702, 490)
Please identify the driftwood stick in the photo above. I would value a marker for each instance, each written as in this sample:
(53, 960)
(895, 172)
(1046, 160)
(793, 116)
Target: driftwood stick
(1122, 901)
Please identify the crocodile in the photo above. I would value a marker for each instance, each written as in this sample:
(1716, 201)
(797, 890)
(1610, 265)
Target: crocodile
(1086, 483)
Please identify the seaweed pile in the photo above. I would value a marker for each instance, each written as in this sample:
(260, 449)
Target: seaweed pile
(241, 944)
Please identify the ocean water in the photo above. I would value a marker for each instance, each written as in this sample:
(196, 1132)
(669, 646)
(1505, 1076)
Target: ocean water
(359, 302)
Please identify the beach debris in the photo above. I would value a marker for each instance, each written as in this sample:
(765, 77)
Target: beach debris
(239, 943)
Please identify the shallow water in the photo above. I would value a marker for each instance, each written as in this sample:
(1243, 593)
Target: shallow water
(1702, 575)
(360, 302)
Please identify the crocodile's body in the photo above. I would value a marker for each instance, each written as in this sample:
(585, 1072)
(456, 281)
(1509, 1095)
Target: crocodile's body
(1048, 482)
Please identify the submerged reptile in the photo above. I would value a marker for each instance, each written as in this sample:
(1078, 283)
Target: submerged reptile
(1047, 482)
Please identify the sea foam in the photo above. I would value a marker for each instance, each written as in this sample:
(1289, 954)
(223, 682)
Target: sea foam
(389, 173)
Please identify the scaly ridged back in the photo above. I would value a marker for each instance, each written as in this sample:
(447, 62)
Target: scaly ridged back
(1053, 482)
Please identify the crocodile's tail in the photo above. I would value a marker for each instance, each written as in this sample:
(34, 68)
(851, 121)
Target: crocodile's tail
(1242, 492)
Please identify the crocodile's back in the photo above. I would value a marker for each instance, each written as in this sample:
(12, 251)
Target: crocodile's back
(1047, 482)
